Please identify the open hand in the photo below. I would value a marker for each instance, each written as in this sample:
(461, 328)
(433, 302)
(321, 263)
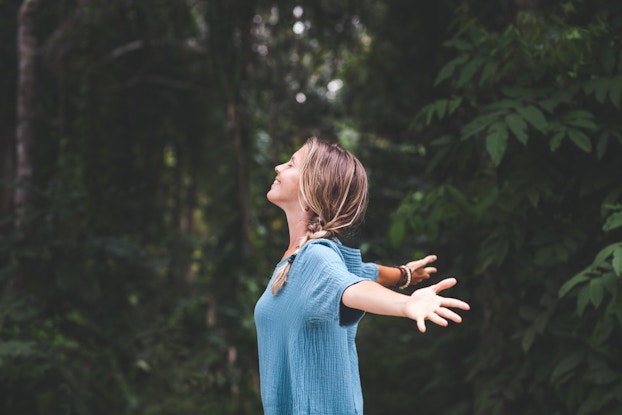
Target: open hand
(426, 304)
(420, 269)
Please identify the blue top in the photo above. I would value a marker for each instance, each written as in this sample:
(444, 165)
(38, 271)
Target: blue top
(307, 356)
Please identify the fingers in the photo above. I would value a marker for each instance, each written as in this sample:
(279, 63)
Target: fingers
(444, 284)
(448, 315)
(449, 302)
(455, 303)
(423, 272)
(419, 270)
(421, 262)
(440, 317)
(437, 319)
(416, 279)
(440, 313)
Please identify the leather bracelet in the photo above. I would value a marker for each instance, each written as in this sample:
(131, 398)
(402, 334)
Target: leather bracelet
(409, 275)
(403, 276)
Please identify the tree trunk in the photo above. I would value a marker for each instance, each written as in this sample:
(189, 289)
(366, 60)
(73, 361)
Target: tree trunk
(6, 177)
(243, 180)
(24, 137)
(26, 48)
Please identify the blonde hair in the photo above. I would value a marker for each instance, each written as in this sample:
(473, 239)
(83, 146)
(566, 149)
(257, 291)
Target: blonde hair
(333, 184)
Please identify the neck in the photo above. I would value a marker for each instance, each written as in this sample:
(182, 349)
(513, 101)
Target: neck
(297, 224)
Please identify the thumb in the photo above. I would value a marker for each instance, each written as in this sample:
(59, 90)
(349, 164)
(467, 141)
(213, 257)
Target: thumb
(444, 284)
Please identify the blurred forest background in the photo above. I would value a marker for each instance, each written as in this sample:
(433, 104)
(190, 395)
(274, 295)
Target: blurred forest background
(138, 139)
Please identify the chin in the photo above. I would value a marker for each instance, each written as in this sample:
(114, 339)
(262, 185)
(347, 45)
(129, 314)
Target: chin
(270, 198)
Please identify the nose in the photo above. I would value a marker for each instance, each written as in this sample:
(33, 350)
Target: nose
(276, 168)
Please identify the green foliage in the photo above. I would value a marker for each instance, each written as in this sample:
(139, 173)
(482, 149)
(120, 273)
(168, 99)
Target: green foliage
(116, 279)
(523, 188)
(149, 240)
(530, 106)
(597, 285)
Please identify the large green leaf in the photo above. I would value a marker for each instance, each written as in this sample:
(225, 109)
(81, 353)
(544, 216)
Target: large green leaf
(448, 70)
(572, 282)
(580, 139)
(534, 116)
(518, 126)
(597, 292)
(479, 124)
(497, 141)
(569, 363)
(613, 221)
(489, 70)
(468, 72)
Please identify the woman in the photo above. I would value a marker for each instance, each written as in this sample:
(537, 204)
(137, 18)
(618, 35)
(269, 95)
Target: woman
(306, 319)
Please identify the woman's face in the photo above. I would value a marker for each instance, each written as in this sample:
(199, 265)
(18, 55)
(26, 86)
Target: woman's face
(284, 191)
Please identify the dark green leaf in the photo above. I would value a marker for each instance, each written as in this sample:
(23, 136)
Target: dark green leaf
(518, 126)
(459, 44)
(597, 292)
(534, 116)
(611, 282)
(469, 70)
(604, 253)
(582, 300)
(601, 145)
(580, 139)
(528, 338)
(490, 68)
(601, 332)
(556, 141)
(580, 118)
(453, 105)
(497, 141)
(441, 108)
(479, 124)
(448, 70)
(602, 376)
(601, 90)
(567, 364)
(519, 93)
(571, 283)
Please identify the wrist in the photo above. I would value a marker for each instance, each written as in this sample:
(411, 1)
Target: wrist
(405, 277)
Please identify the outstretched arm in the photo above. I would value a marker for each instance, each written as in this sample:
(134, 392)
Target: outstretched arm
(423, 304)
(420, 271)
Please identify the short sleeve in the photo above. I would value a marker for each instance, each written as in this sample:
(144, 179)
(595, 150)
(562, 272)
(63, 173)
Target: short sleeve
(324, 279)
(370, 271)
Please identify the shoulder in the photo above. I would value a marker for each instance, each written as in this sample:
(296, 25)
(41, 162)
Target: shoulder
(321, 250)
(326, 251)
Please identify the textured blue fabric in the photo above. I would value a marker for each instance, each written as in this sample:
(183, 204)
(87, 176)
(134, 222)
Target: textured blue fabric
(308, 362)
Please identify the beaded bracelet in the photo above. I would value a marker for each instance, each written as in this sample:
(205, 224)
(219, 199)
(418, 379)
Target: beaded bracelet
(409, 274)
(405, 276)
